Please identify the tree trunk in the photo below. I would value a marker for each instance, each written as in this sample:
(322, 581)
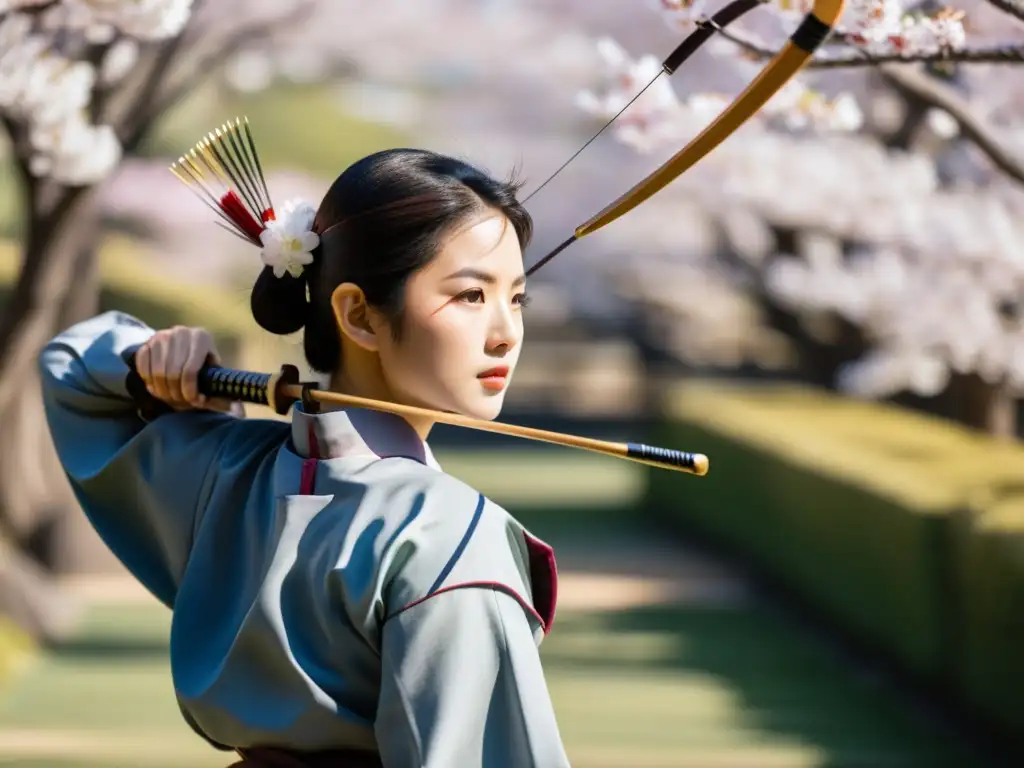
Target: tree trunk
(70, 544)
(32, 490)
(52, 246)
(82, 299)
(42, 521)
(31, 598)
(61, 537)
(983, 406)
(834, 342)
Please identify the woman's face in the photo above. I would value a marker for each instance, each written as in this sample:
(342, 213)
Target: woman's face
(463, 326)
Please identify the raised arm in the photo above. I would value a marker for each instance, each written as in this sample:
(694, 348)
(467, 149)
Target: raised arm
(140, 484)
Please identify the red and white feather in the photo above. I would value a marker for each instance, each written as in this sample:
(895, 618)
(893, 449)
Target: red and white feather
(225, 172)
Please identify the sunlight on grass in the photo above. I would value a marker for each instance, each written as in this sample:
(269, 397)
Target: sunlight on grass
(17, 649)
(673, 686)
(542, 476)
(696, 680)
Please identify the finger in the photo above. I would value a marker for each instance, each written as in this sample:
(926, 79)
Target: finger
(142, 362)
(178, 353)
(182, 352)
(158, 368)
(198, 350)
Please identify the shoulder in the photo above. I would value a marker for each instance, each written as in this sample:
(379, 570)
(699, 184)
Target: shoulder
(251, 437)
(451, 536)
(223, 440)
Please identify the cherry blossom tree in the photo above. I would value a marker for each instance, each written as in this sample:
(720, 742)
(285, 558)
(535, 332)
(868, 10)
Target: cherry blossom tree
(883, 239)
(82, 83)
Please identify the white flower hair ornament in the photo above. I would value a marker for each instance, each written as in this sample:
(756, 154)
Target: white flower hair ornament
(288, 240)
(224, 170)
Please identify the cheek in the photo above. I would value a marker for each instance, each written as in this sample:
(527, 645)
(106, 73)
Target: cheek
(433, 345)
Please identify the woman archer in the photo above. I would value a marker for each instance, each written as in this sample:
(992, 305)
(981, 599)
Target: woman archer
(337, 598)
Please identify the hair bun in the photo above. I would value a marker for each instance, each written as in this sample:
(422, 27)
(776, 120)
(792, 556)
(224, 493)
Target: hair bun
(279, 303)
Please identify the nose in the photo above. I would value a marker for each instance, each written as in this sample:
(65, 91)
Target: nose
(506, 332)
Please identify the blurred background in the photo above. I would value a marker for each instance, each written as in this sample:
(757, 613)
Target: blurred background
(829, 306)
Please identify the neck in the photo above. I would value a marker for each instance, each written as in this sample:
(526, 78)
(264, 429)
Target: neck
(361, 380)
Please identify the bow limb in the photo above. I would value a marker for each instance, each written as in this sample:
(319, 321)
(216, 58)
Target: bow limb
(812, 32)
(690, 45)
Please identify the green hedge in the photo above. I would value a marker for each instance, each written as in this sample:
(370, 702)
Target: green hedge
(860, 509)
(988, 567)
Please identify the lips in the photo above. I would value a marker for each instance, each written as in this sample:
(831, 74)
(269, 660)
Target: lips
(494, 379)
(501, 372)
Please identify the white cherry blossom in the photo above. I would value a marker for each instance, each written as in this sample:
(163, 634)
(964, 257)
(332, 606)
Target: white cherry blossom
(45, 88)
(288, 240)
(141, 19)
(119, 60)
(936, 274)
(681, 15)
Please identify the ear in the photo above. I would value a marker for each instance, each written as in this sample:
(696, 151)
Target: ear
(354, 316)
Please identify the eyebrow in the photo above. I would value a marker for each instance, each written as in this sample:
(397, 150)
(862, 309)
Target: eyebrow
(483, 276)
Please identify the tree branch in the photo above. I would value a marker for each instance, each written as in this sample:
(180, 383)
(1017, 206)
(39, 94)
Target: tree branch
(144, 107)
(925, 90)
(998, 54)
(20, 161)
(1013, 7)
(100, 93)
(14, 134)
(159, 103)
(913, 83)
(34, 10)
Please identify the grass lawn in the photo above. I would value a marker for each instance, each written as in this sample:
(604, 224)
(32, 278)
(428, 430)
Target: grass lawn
(701, 683)
(654, 687)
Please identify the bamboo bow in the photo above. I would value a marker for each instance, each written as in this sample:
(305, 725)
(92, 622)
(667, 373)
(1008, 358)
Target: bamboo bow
(812, 32)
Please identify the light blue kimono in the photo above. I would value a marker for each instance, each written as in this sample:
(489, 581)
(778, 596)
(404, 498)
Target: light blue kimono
(331, 586)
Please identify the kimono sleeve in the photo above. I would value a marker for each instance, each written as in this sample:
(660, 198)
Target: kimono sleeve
(462, 681)
(139, 484)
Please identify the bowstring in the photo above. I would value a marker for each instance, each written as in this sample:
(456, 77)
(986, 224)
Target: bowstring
(593, 138)
(705, 21)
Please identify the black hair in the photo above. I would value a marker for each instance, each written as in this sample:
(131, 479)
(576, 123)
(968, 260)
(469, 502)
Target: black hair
(382, 220)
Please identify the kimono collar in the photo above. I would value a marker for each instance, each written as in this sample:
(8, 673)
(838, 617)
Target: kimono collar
(356, 432)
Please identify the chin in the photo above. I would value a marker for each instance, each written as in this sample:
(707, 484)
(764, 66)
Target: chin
(488, 408)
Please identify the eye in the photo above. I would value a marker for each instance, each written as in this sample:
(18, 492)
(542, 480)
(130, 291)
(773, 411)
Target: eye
(522, 299)
(472, 296)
